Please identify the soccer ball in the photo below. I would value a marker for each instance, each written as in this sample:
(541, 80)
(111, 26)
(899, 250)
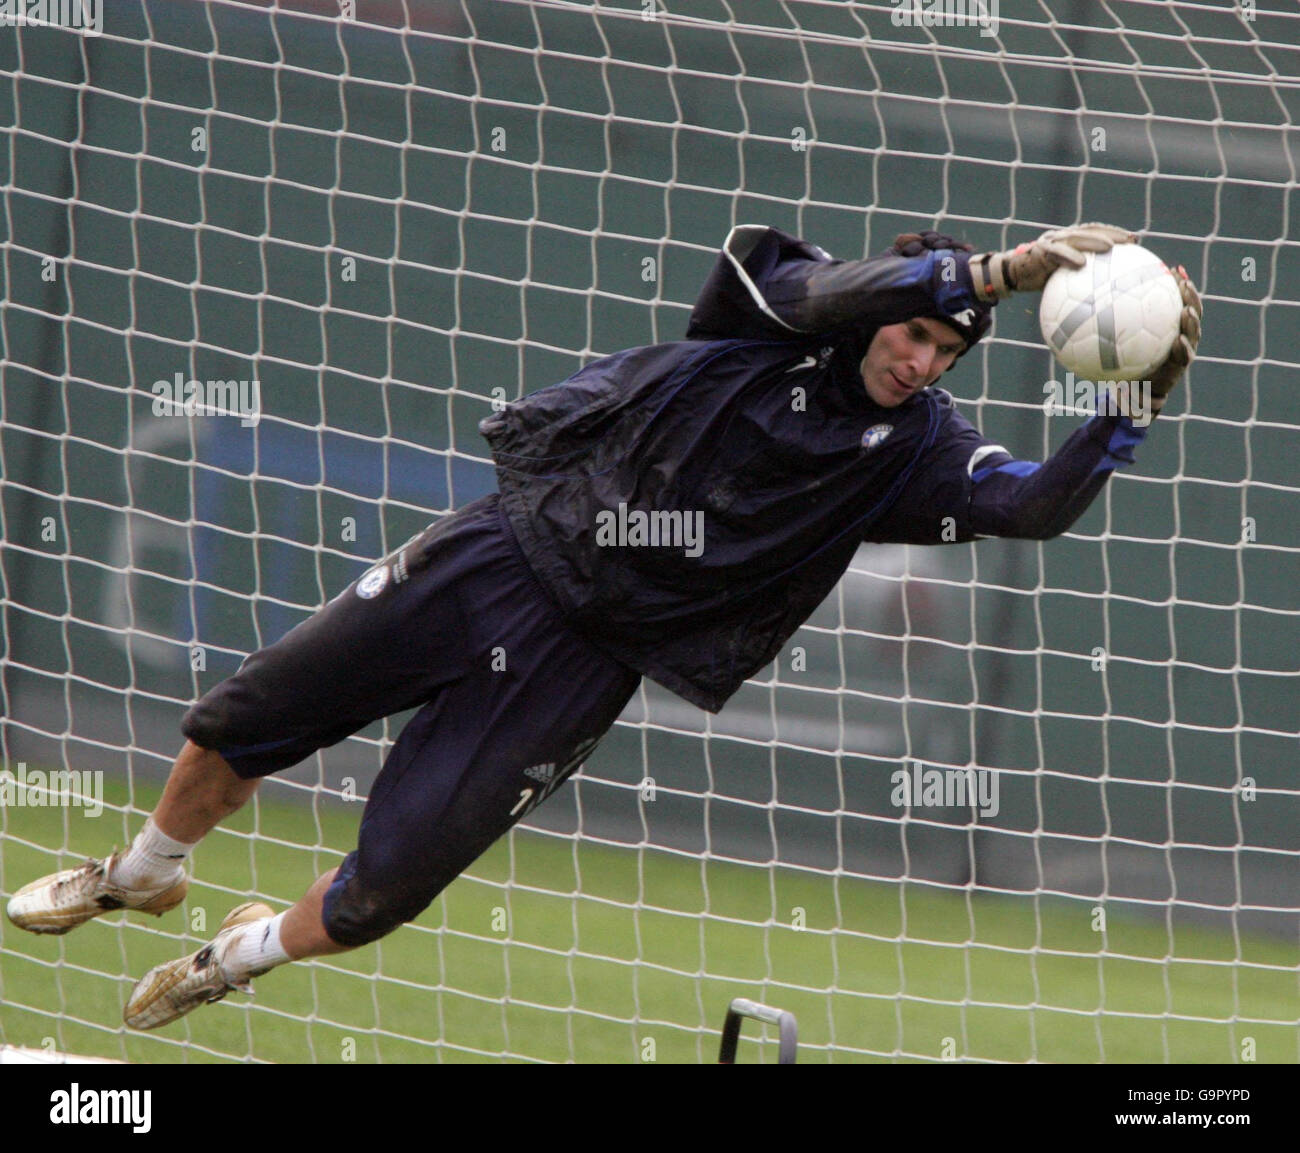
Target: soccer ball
(1116, 318)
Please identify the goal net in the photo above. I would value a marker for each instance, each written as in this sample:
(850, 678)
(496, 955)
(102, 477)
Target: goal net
(266, 268)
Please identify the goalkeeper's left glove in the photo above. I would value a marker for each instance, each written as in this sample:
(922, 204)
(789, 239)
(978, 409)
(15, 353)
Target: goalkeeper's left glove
(1175, 364)
(1026, 268)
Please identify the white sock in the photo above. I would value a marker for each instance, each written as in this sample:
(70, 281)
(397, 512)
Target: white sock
(152, 860)
(253, 950)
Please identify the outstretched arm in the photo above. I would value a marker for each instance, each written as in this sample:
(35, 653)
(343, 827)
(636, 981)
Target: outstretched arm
(767, 284)
(969, 487)
(1018, 499)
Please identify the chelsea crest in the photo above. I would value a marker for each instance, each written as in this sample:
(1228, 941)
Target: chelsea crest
(875, 435)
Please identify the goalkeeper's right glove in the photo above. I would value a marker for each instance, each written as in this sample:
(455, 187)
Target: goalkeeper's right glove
(1026, 268)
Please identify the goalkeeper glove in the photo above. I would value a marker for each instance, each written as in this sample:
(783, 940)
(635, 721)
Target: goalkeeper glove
(1180, 355)
(1026, 268)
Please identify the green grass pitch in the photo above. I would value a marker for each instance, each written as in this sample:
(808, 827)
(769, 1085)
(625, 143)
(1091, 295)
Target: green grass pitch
(626, 955)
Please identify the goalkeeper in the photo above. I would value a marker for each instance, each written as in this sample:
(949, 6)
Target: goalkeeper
(673, 511)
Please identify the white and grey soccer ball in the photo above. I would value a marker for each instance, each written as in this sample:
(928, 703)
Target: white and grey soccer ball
(1115, 318)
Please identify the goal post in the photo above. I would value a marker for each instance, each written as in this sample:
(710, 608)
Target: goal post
(267, 266)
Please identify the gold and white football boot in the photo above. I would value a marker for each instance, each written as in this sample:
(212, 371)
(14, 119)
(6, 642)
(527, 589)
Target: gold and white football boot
(170, 990)
(62, 901)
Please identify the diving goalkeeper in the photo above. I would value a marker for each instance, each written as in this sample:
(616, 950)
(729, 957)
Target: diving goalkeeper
(674, 511)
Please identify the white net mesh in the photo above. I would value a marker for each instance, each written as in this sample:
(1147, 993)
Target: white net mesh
(390, 219)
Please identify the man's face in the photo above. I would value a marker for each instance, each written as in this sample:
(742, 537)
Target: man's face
(905, 358)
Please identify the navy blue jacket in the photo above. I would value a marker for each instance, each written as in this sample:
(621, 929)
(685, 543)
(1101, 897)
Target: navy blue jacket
(759, 429)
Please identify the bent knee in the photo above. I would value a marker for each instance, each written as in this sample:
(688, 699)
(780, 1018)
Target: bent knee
(202, 725)
(355, 914)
